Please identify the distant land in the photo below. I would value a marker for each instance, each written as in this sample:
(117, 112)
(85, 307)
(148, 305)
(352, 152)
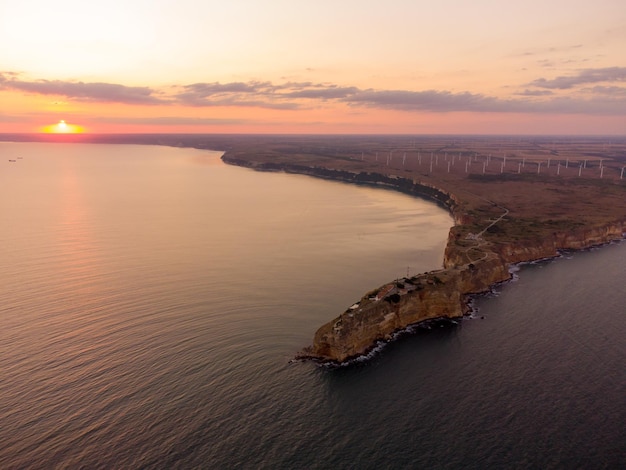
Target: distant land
(513, 199)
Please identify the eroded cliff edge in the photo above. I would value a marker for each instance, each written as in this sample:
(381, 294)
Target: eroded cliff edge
(436, 294)
(486, 239)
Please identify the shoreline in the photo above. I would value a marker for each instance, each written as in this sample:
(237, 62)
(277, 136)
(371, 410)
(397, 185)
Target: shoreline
(439, 295)
(443, 321)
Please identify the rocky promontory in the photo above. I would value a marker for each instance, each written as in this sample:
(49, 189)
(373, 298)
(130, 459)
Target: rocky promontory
(436, 294)
(500, 219)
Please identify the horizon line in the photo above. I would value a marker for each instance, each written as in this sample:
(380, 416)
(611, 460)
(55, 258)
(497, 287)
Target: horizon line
(372, 134)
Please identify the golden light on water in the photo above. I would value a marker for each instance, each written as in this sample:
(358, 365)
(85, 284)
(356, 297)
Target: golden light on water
(63, 127)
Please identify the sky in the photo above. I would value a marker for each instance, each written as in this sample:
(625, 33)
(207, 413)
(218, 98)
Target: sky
(323, 66)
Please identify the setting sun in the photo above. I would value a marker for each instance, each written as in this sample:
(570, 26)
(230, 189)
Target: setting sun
(62, 127)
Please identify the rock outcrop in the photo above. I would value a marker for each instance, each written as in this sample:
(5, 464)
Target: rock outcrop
(438, 294)
(471, 266)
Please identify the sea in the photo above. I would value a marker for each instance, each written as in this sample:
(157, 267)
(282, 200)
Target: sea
(152, 301)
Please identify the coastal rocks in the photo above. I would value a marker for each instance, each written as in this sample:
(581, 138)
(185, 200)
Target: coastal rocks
(433, 295)
(438, 294)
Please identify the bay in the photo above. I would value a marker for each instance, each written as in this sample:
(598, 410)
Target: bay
(153, 297)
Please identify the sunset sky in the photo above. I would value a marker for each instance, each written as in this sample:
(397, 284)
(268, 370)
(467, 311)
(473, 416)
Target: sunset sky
(323, 66)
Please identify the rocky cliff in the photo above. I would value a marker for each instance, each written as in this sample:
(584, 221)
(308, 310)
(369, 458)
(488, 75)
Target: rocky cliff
(439, 294)
(549, 247)
(473, 262)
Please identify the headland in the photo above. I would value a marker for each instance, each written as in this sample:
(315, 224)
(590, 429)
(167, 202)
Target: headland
(513, 200)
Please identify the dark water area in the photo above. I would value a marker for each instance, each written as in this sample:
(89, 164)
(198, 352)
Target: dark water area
(153, 298)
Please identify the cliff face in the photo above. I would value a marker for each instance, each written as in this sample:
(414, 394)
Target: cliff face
(439, 294)
(535, 248)
(550, 246)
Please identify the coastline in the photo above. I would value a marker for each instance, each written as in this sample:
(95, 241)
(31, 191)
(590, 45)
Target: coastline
(512, 201)
(472, 266)
(429, 324)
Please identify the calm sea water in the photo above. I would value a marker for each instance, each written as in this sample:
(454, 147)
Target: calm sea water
(152, 299)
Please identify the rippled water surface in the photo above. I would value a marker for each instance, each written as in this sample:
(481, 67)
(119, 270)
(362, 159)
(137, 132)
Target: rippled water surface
(152, 298)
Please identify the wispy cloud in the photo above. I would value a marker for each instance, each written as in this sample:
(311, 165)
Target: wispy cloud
(547, 51)
(208, 94)
(438, 101)
(543, 96)
(608, 74)
(173, 121)
(528, 92)
(81, 91)
(607, 90)
(299, 95)
(292, 95)
(259, 94)
(321, 92)
(430, 100)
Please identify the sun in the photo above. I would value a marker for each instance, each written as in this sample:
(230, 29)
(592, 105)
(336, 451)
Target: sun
(62, 127)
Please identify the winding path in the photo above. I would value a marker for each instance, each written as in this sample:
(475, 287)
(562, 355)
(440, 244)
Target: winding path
(478, 237)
